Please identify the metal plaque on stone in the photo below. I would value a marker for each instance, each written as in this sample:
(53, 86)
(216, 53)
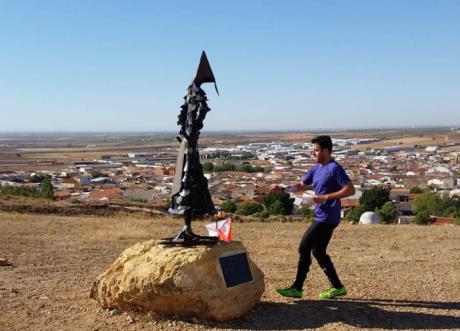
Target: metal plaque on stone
(235, 269)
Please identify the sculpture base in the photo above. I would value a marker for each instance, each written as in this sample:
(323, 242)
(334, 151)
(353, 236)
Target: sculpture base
(186, 237)
(217, 282)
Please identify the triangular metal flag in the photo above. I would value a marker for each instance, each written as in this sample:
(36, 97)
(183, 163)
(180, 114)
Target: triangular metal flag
(204, 73)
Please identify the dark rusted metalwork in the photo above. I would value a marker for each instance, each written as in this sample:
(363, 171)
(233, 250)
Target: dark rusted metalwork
(190, 195)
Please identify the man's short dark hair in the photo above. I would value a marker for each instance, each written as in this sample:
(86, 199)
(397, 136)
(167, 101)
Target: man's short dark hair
(323, 142)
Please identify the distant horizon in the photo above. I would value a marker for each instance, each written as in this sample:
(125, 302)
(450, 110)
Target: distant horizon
(216, 132)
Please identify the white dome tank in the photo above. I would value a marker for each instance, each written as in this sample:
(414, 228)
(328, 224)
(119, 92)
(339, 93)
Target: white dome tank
(369, 217)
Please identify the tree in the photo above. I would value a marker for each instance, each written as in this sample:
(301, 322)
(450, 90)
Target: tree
(388, 213)
(225, 167)
(307, 213)
(47, 188)
(249, 208)
(416, 190)
(448, 206)
(354, 214)
(20, 190)
(229, 206)
(284, 198)
(374, 198)
(422, 218)
(452, 212)
(243, 156)
(430, 203)
(37, 178)
(259, 169)
(245, 167)
(208, 167)
(427, 202)
(276, 208)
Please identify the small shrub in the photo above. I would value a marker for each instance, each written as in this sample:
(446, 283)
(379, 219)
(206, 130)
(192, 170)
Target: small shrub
(249, 208)
(229, 206)
(422, 218)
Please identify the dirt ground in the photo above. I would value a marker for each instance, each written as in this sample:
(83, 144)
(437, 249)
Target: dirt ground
(399, 277)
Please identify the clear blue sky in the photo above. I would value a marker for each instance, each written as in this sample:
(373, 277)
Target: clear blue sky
(125, 65)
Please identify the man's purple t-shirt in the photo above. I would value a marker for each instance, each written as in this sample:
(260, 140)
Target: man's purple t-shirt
(326, 179)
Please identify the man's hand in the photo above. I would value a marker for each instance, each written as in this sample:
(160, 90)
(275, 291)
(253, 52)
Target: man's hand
(321, 198)
(291, 189)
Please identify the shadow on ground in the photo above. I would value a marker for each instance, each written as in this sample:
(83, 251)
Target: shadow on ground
(383, 314)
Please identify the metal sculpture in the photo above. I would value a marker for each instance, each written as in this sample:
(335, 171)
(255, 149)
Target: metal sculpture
(190, 195)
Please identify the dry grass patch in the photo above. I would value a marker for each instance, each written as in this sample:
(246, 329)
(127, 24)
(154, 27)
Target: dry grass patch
(399, 277)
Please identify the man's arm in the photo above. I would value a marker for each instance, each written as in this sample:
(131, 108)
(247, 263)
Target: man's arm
(306, 180)
(344, 192)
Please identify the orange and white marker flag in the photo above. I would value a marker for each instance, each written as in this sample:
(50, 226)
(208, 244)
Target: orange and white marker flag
(221, 229)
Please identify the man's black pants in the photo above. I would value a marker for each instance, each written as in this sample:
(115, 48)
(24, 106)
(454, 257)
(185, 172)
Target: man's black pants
(315, 241)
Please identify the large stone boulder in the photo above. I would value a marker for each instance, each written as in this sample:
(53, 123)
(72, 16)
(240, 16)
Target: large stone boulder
(177, 280)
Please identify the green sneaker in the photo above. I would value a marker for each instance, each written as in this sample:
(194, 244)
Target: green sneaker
(290, 292)
(332, 293)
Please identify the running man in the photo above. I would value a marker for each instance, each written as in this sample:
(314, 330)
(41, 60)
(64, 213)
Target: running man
(331, 184)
